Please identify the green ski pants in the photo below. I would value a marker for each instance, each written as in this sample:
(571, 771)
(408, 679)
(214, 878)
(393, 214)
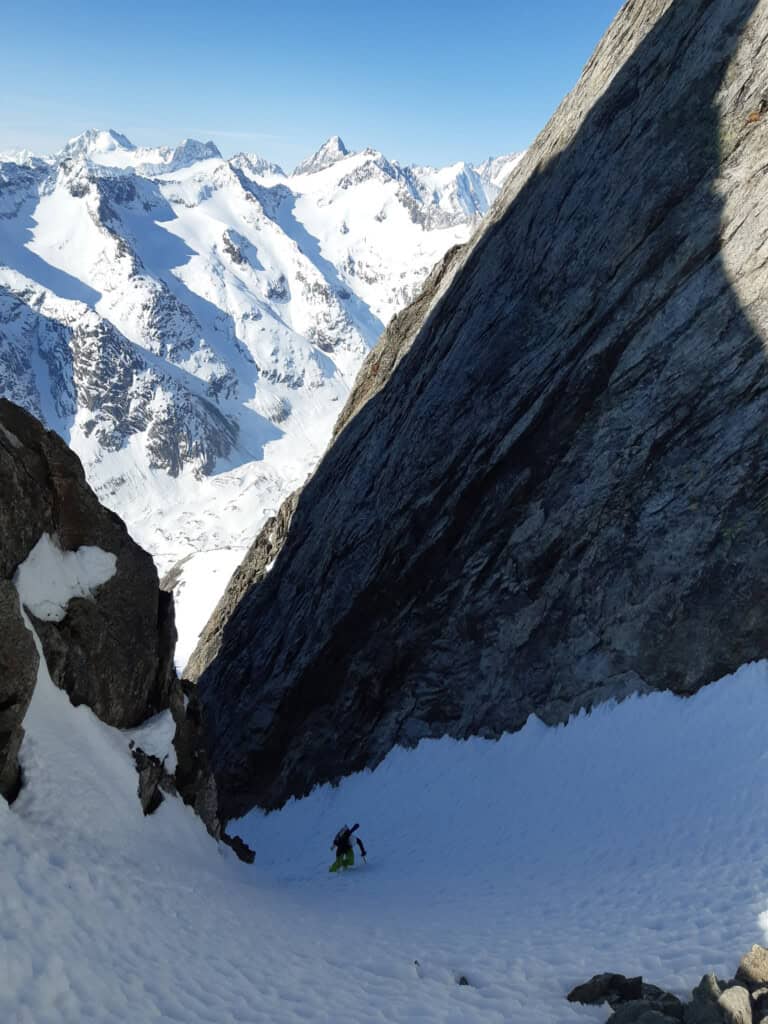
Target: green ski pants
(344, 860)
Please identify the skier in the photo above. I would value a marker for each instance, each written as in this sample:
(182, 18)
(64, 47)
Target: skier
(342, 844)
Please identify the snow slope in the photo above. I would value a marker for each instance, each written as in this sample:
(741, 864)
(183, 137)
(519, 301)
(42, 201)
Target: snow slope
(630, 839)
(191, 325)
(199, 575)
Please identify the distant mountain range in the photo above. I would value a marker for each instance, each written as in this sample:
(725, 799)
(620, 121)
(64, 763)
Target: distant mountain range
(191, 324)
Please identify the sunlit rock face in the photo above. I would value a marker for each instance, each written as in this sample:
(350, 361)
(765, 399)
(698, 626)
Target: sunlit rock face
(554, 486)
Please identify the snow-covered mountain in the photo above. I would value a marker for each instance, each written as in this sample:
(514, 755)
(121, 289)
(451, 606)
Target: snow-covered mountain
(191, 325)
(329, 153)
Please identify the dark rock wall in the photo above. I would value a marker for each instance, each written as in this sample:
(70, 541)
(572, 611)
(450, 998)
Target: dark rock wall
(114, 653)
(18, 674)
(559, 493)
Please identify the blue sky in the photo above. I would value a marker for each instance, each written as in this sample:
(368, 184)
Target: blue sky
(423, 82)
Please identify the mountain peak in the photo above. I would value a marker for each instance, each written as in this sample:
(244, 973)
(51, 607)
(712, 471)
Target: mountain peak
(191, 150)
(256, 164)
(96, 140)
(332, 149)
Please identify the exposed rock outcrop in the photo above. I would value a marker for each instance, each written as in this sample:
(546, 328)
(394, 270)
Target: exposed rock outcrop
(607, 988)
(559, 494)
(18, 673)
(740, 1001)
(153, 779)
(112, 651)
(633, 1000)
(112, 648)
(193, 778)
(753, 968)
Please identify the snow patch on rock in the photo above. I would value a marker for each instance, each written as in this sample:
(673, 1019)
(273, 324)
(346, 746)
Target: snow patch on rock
(49, 578)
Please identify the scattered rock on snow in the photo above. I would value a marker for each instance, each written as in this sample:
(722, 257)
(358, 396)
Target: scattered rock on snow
(664, 1002)
(241, 849)
(712, 1001)
(704, 1006)
(647, 1010)
(607, 988)
(633, 1001)
(153, 778)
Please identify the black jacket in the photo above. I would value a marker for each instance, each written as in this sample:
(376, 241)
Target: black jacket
(342, 842)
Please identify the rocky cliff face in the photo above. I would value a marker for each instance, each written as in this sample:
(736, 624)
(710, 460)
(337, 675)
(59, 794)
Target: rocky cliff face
(111, 649)
(18, 672)
(556, 492)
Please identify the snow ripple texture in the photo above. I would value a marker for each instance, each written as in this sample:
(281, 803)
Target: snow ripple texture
(630, 839)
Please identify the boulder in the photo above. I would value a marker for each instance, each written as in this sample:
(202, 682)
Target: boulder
(664, 1002)
(759, 1005)
(152, 779)
(704, 1007)
(736, 1005)
(641, 1012)
(607, 988)
(633, 1001)
(753, 968)
(239, 847)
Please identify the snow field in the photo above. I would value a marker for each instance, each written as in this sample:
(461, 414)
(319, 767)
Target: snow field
(631, 839)
(203, 575)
